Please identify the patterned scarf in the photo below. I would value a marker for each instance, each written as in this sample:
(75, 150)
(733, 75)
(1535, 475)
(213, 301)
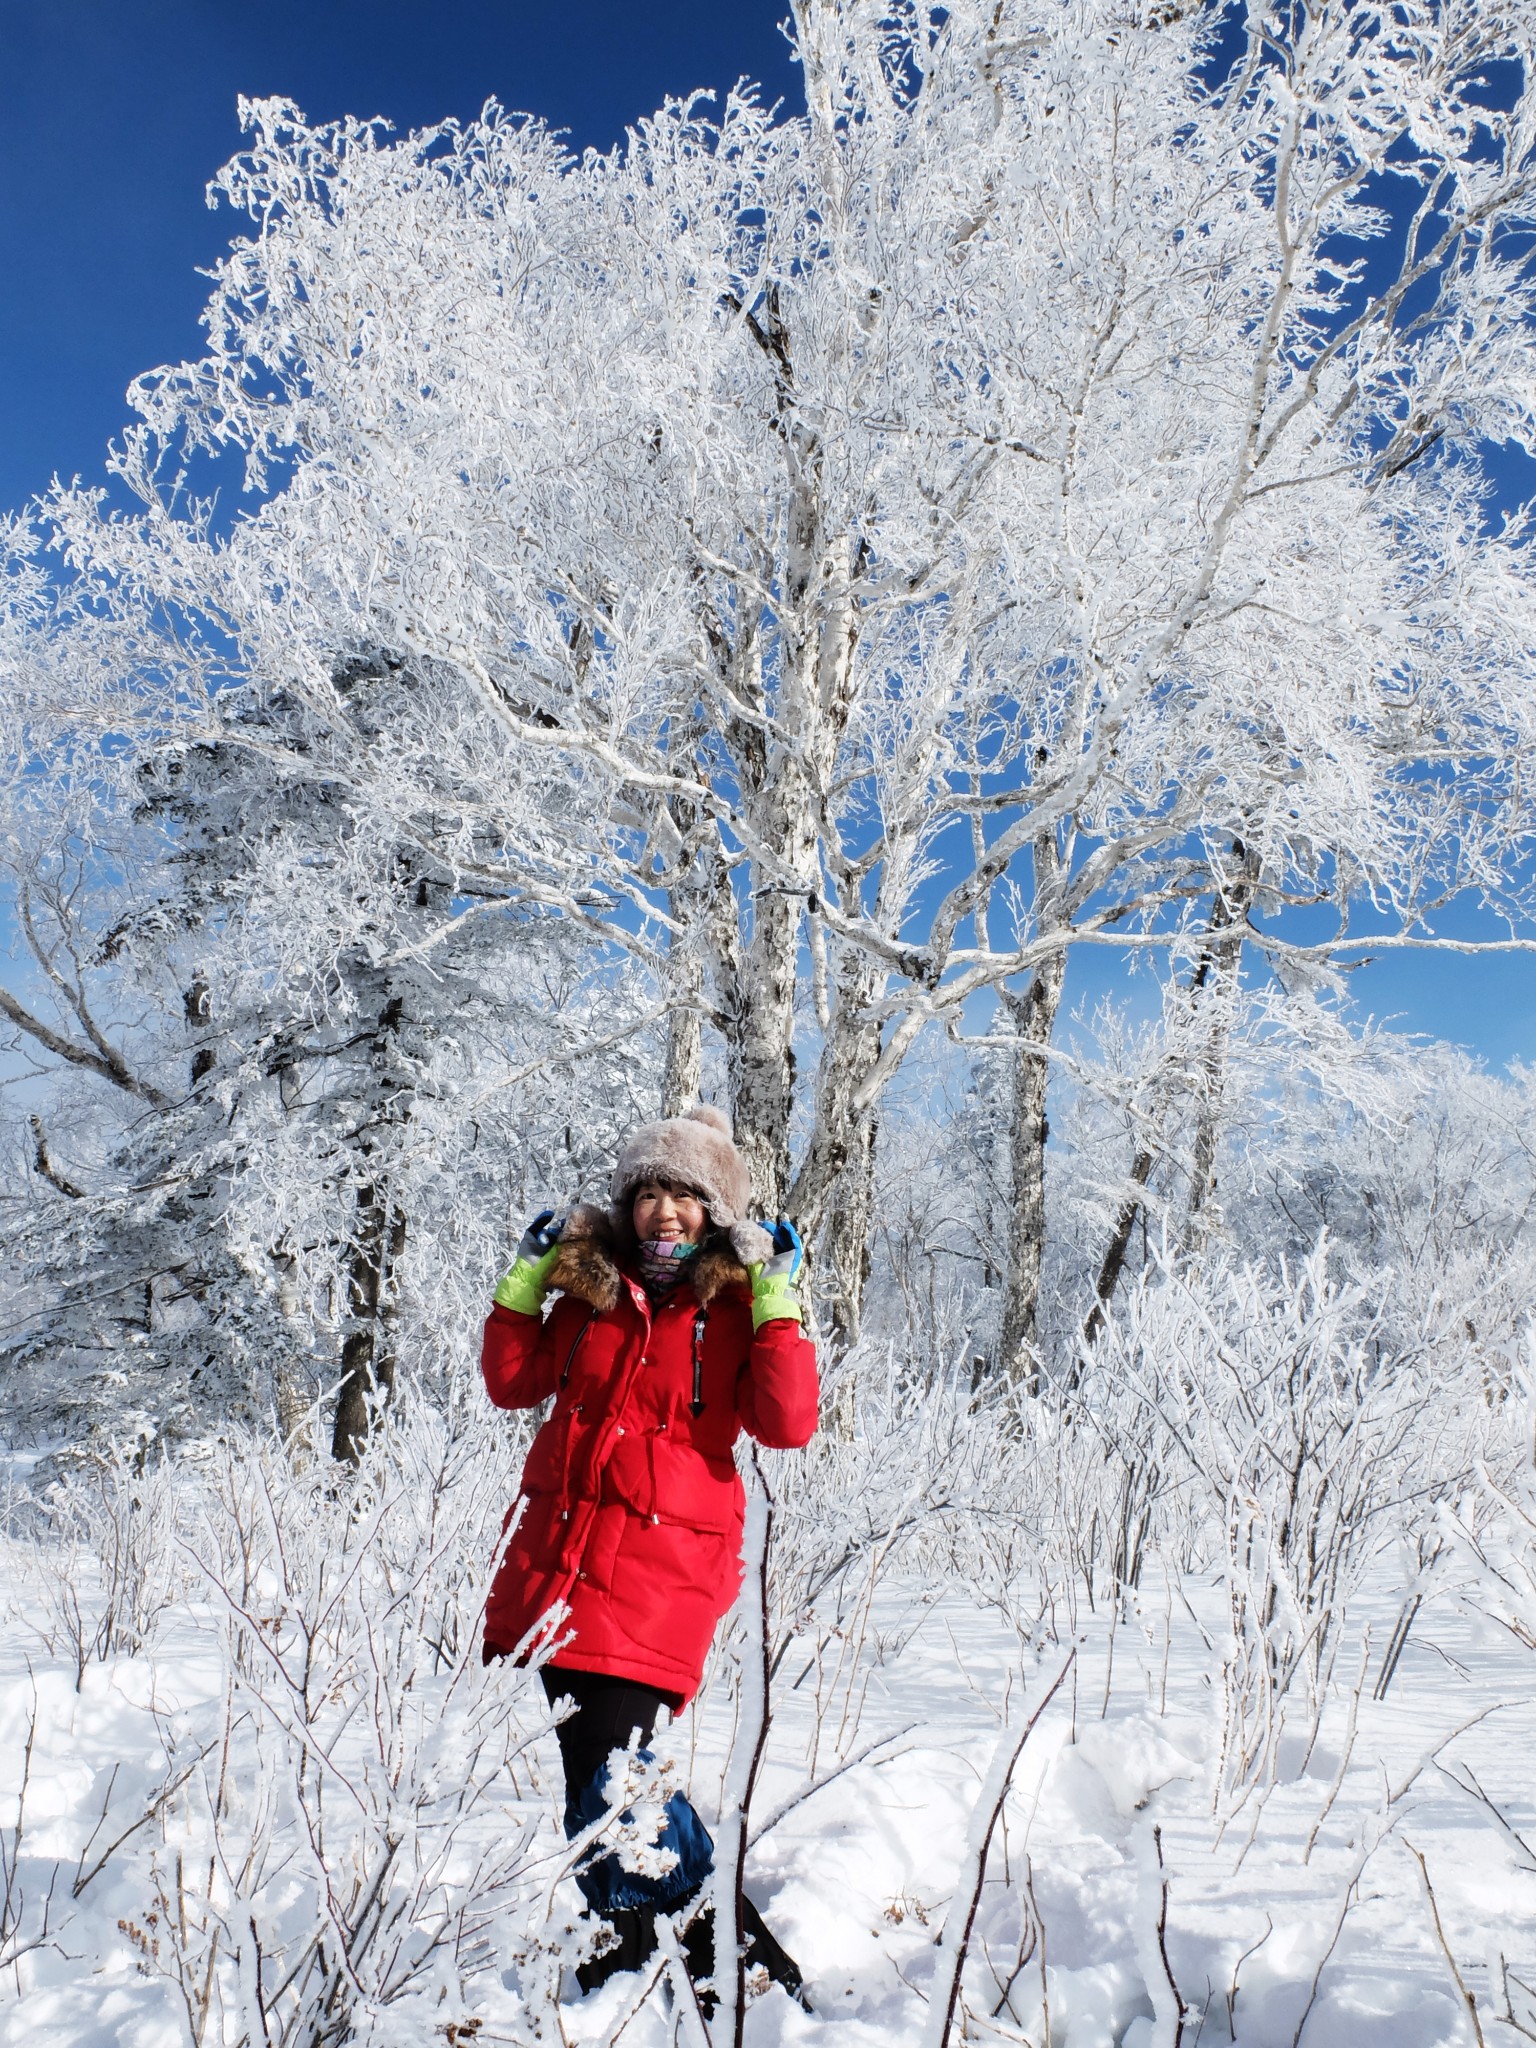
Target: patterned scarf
(662, 1260)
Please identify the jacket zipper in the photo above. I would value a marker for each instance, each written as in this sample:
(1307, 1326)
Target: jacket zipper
(570, 1356)
(696, 1405)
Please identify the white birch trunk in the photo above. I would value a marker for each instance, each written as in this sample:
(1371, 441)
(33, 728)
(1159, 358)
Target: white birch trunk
(818, 634)
(832, 1197)
(759, 1017)
(1032, 1022)
(1033, 1019)
(684, 1069)
(1218, 985)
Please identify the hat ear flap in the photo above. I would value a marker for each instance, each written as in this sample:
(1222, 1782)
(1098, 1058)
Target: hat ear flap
(621, 1222)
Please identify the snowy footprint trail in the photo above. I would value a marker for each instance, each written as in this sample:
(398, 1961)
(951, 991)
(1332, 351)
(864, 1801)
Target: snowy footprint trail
(1264, 1940)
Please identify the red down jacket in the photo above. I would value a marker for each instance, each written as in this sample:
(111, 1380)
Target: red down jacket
(632, 1505)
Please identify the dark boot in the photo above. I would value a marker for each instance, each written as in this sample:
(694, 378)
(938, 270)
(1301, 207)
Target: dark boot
(762, 1947)
(634, 1929)
(699, 1955)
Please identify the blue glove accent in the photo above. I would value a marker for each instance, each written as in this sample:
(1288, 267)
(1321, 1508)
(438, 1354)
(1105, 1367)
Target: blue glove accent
(785, 1239)
(773, 1279)
(604, 1882)
(541, 1237)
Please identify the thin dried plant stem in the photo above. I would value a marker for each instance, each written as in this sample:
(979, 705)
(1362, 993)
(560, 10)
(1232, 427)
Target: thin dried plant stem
(1346, 1751)
(1162, 1939)
(1467, 1996)
(954, 1942)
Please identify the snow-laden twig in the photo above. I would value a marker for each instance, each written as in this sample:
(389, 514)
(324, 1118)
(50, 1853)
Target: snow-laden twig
(744, 1762)
(1173, 2013)
(1463, 1992)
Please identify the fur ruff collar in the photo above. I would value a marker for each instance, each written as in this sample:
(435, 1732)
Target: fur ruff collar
(594, 1240)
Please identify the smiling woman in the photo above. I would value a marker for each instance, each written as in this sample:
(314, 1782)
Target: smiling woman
(675, 1328)
(112, 232)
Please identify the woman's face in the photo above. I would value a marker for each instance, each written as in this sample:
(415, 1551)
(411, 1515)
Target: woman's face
(663, 1211)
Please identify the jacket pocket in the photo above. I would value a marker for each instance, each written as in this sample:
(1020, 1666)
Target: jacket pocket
(544, 1467)
(666, 1479)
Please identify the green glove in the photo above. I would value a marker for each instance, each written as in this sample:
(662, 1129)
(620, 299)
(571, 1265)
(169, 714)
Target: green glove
(524, 1288)
(773, 1291)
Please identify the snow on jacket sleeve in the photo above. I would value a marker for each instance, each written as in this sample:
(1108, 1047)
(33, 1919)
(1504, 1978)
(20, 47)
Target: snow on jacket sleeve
(777, 1393)
(518, 1356)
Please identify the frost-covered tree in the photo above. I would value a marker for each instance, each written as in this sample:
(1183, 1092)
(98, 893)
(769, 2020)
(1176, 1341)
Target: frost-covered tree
(1037, 498)
(282, 1145)
(94, 1047)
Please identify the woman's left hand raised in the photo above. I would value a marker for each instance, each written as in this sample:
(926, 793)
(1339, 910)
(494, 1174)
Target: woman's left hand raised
(773, 1279)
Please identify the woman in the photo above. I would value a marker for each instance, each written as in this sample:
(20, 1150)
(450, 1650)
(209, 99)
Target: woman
(677, 1326)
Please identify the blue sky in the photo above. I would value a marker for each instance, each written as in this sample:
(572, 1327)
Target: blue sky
(115, 113)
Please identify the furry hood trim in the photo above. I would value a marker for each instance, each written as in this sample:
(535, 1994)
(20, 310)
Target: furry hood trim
(594, 1240)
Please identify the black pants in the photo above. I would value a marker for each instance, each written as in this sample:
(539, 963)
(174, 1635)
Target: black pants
(610, 1714)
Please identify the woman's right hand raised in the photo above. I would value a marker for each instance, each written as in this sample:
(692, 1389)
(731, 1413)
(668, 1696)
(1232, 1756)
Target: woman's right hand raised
(524, 1288)
(541, 1236)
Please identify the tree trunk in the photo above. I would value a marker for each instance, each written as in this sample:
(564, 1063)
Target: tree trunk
(293, 1417)
(1112, 1265)
(695, 880)
(376, 1245)
(833, 1193)
(196, 1006)
(755, 974)
(1214, 981)
(760, 1054)
(1033, 1017)
(1204, 1213)
(845, 1240)
(818, 622)
(367, 1353)
(684, 1070)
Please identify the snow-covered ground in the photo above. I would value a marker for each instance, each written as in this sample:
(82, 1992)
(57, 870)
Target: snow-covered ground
(159, 1786)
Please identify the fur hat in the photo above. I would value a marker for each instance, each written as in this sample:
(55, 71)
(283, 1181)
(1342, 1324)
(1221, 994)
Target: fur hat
(694, 1151)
